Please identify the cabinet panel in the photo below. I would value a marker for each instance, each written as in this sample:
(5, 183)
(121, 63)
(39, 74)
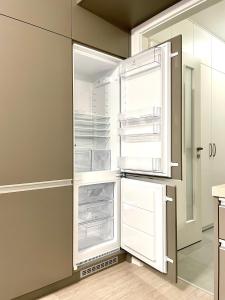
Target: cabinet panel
(54, 15)
(89, 29)
(36, 227)
(222, 222)
(36, 104)
(221, 273)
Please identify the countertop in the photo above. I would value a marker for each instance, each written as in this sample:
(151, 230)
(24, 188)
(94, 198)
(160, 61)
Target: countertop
(218, 191)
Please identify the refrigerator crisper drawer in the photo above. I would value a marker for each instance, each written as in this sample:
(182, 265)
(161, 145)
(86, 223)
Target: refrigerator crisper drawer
(95, 233)
(139, 241)
(92, 160)
(96, 211)
(96, 192)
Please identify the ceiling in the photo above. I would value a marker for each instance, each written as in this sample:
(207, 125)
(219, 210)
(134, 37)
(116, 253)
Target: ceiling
(126, 14)
(212, 19)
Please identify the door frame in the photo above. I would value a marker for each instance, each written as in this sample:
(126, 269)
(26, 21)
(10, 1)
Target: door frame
(172, 15)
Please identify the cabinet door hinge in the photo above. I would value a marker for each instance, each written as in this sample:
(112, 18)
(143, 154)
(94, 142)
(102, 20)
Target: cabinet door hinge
(174, 164)
(169, 260)
(174, 54)
(169, 199)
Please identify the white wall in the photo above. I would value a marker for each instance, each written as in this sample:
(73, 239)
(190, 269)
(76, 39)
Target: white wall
(209, 50)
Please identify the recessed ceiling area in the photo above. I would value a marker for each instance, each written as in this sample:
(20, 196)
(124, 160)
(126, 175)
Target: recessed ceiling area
(126, 14)
(212, 19)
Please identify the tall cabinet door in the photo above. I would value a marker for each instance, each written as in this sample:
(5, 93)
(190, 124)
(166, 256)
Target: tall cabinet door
(218, 131)
(36, 104)
(151, 111)
(36, 239)
(148, 223)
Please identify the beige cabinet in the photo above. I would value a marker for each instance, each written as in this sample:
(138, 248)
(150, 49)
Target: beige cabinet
(93, 31)
(36, 104)
(36, 235)
(53, 15)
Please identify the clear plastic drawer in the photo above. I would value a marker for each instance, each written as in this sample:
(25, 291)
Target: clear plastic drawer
(95, 211)
(101, 160)
(95, 233)
(96, 192)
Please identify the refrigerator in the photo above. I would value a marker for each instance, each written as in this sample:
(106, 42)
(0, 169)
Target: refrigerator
(122, 114)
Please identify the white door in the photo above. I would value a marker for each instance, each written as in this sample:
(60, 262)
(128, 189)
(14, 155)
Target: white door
(218, 127)
(146, 112)
(143, 221)
(189, 204)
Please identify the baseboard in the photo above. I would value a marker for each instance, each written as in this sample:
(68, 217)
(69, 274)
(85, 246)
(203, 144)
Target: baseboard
(70, 280)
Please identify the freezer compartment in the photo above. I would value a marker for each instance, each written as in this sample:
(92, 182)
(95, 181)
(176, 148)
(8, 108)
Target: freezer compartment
(95, 233)
(141, 164)
(95, 211)
(96, 192)
(92, 160)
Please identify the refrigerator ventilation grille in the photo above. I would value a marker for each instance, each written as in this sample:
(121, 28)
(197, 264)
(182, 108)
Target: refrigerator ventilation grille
(100, 266)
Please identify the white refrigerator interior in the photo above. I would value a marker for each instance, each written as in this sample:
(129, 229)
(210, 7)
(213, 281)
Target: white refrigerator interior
(96, 152)
(122, 123)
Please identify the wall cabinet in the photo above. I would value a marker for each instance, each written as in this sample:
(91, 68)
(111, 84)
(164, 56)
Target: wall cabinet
(36, 235)
(89, 29)
(36, 104)
(53, 15)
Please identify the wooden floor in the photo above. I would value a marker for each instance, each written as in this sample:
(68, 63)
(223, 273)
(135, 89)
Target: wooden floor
(128, 282)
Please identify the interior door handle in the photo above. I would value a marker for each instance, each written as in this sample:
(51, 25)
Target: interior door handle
(214, 149)
(210, 150)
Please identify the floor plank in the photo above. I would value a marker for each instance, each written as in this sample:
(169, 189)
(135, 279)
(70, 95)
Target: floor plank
(128, 282)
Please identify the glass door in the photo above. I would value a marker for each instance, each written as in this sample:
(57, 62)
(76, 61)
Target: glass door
(145, 119)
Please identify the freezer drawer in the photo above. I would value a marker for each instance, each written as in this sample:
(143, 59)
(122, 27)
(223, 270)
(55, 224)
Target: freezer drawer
(95, 211)
(95, 233)
(96, 192)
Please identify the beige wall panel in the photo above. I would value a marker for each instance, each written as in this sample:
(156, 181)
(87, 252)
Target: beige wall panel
(36, 227)
(36, 104)
(93, 31)
(54, 15)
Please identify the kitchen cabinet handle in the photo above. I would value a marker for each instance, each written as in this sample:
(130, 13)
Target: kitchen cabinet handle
(210, 150)
(214, 149)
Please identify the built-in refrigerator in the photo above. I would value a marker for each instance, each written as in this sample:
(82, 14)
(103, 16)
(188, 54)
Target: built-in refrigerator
(122, 154)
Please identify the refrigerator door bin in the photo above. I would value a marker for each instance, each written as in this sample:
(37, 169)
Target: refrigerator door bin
(96, 192)
(141, 164)
(135, 118)
(95, 211)
(95, 233)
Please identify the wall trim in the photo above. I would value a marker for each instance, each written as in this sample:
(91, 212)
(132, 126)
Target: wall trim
(5, 189)
(177, 11)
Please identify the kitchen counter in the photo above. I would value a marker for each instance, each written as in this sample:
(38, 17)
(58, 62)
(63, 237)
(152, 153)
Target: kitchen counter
(218, 191)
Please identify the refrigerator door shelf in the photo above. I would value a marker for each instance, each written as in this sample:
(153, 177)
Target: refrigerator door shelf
(136, 118)
(152, 165)
(146, 60)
